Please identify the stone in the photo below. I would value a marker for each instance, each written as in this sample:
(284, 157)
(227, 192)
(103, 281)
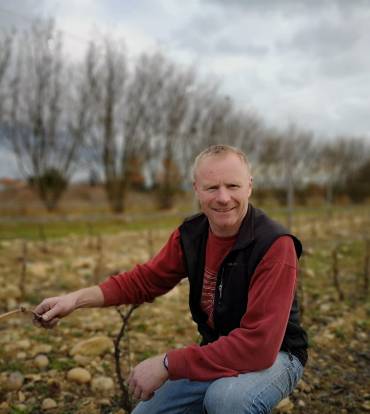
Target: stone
(41, 361)
(79, 375)
(11, 304)
(95, 346)
(15, 381)
(21, 396)
(83, 360)
(102, 385)
(24, 344)
(10, 291)
(303, 386)
(41, 349)
(285, 406)
(21, 355)
(48, 404)
(366, 406)
(21, 408)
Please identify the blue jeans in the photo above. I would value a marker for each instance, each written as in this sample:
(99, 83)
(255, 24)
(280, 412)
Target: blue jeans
(253, 392)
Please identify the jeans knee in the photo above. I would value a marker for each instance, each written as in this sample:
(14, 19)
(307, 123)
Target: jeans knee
(233, 403)
(229, 397)
(224, 397)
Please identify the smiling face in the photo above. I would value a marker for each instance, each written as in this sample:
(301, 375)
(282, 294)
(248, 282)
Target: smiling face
(223, 185)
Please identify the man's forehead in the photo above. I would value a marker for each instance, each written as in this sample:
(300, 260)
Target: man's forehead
(215, 173)
(213, 161)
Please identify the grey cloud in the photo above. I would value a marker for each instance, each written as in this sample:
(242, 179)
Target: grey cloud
(239, 46)
(323, 38)
(290, 6)
(20, 13)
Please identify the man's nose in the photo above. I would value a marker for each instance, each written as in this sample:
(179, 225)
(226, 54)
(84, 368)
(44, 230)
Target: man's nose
(223, 195)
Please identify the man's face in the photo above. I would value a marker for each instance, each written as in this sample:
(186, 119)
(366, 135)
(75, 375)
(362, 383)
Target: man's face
(223, 186)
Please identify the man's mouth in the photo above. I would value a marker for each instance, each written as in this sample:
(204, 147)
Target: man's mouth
(223, 210)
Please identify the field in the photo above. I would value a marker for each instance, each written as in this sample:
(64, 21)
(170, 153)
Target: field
(39, 258)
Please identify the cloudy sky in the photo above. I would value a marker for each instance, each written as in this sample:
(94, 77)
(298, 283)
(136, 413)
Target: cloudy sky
(291, 61)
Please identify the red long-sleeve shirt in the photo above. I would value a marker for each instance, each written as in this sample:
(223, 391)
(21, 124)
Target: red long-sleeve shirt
(251, 347)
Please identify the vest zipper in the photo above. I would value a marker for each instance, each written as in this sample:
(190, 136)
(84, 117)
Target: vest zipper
(220, 286)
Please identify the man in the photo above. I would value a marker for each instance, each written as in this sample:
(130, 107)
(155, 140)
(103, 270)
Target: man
(242, 270)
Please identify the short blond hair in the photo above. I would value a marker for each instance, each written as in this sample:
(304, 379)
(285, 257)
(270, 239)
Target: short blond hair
(220, 149)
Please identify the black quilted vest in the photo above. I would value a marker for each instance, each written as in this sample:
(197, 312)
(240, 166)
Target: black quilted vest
(256, 235)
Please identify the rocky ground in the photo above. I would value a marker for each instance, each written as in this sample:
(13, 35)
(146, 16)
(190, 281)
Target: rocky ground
(70, 369)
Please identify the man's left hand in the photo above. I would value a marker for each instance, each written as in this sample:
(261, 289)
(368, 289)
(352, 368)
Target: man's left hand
(146, 377)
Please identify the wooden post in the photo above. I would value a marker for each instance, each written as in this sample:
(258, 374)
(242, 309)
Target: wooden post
(99, 262)
(90, 234)
(150, 244)
(22, 279)
(42, 236)
(335, 272)
(366, 266)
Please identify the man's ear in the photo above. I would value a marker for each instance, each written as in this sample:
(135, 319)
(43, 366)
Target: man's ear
(250, 185)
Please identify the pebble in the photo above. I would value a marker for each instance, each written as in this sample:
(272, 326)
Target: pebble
(95, 346)
(21, 407)
(41, 349)
(21, 355)
(82, 360)
(79, 375)
(48, 404)
(10, 291)
(11, 304)
(105, 402)
(41, 361)
(21, 396)
(366, 406)
(24, 344)
(285, 406)
(15, 381)
(303, 386)
(103, 385)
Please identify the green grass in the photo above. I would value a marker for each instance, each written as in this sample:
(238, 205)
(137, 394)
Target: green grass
(55, 229)
(58, 227)
(62, 364)
(12, 366)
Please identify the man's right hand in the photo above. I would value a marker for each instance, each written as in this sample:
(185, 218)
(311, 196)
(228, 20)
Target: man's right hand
(50, 310)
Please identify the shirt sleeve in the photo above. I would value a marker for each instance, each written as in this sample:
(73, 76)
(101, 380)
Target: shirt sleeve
(147, 281)
(255, 344)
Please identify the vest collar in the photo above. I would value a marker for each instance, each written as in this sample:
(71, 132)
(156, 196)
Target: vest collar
(246, 231)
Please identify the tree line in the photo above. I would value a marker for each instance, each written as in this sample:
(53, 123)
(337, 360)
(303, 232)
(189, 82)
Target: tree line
(124, 119)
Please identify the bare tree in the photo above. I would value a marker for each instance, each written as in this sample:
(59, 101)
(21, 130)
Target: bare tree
(285, 159)
(122, 107)
(337, 160)
(6, 43)
(44, 149)
(174, 102)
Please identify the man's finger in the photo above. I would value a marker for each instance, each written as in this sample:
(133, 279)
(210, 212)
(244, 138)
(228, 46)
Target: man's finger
(137, 393)
(46, 324)
(146, 396)
(51, 314)
(43, 307)
(52, 323)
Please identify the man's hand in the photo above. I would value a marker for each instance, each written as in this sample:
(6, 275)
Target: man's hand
(52, 309)
(146, 377)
